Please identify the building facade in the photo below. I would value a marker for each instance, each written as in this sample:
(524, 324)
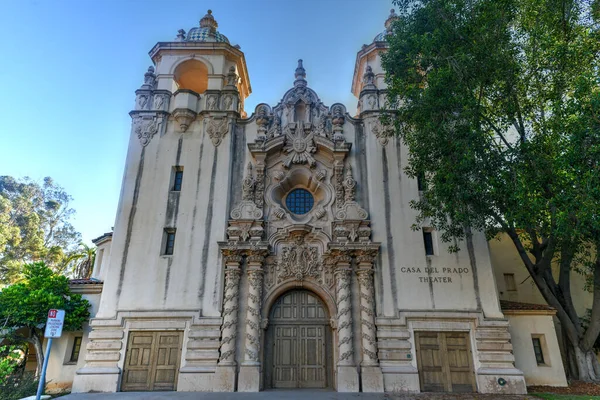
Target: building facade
(275, 250)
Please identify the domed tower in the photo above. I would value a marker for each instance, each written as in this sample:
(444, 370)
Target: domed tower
(163, 288)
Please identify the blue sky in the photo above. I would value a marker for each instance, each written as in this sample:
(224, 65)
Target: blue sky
(69, 71)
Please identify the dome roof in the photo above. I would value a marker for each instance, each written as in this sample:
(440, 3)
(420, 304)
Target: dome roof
(207, 32)
(205, 35)
(388, 27)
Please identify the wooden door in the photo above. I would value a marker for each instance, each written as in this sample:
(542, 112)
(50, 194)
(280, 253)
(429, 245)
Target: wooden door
(444, 362)
(152, 361)
(297, 349)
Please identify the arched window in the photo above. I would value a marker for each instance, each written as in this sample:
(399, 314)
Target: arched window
(299, 201)
(192, 75)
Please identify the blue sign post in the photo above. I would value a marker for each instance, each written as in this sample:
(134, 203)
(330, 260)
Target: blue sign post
(54, 326)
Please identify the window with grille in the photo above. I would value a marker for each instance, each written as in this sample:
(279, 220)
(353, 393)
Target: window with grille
(169, 242)
(537, 349)
(299, 201)
(75, 349)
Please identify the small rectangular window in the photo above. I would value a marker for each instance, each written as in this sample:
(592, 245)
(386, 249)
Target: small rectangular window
(177, 179)
(537, 349)
(169, 241)
(510, 283)
(428, 241)
(75, 349)
(422, 185)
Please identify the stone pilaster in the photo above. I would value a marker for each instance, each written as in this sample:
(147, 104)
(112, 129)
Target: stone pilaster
(249, 379)
(225, 373)
(371, 376)
(347, 375)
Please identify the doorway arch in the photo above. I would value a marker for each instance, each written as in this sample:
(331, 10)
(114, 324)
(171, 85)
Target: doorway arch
(298, 351)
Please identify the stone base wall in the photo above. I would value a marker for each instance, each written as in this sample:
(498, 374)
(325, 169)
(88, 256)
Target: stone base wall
(106, 349)
(493, 360)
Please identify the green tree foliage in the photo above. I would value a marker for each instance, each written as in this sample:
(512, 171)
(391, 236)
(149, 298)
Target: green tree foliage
(81, 261)
(34, 225)
(24, 306)
(498, 102)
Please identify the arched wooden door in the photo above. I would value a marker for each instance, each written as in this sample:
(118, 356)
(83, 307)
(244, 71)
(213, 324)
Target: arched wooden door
(298, 343)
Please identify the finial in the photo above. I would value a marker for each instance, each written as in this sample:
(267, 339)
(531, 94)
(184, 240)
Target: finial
(149, 78)
(300, 75)
(390, 19)
(369, 79)
(180, 35)
(208, 21)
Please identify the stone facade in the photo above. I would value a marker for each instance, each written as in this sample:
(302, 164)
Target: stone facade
(208, 238)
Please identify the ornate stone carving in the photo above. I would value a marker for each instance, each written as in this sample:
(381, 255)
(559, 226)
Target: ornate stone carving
(349, 185)
(338, 123)
(158, 102)
(232, 77)
(142, 100)
(369, 79)
(217, 128)
(344, 315)
(149, 78)
(184, 118)
(227, 102)
(299, 146)
(321, 128)
(255, 283)
(372, 101)
(259, 188)
(248, 184)
(211, 102)
(275, 129)
(299, 261)
(246, 228)
(381, 133)
(320, 212)
(145, 128)
(262, 119)
(321, 175)
(279, 212)
(367, 309)
(230, 309)
(338, 170)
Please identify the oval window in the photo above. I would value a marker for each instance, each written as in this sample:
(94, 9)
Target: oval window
(299, 201)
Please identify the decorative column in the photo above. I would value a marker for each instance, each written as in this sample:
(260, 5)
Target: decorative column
(226, 368)
(370, 372)
(249, 379)
(347, 375)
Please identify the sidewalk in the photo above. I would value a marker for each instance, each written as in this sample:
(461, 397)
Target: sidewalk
(284, 395)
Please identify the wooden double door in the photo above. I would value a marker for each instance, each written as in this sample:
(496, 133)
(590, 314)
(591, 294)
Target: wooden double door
(298, 343)
(152, 361)
(445, 362)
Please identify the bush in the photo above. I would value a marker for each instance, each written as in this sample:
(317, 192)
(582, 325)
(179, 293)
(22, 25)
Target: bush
(17, 386)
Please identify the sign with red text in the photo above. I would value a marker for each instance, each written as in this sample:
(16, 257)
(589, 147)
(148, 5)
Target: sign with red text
(54, 324)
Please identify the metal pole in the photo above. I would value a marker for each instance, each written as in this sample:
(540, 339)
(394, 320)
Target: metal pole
(43, 376)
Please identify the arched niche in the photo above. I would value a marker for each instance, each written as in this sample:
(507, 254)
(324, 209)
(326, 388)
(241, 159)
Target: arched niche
(192, 75)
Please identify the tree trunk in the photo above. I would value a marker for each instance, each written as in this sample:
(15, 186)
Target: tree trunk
(39, 351)
(587, 364)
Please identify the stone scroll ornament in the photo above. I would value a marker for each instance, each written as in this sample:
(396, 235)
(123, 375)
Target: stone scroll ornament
(367, 309)
(344, 315)
(217, 129)
(145, 129)
(230, 309)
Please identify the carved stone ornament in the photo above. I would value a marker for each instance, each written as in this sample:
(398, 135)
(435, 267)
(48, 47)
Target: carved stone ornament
(369, 79)
(338, 120)
(380, 132)
(145, 128)
(227, 102)
(299, 261)
(211, 102)
(246, 210)
(184, 118)
(299, 146)
(217, 129)
(248, 184)
(262, 119)
(158, 102)
(232, 77)
(275, 129)
(321, 128)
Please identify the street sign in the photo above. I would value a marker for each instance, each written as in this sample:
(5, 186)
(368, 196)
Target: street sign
(54, 324)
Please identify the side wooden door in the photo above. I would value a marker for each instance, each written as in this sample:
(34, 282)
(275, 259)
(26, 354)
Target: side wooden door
(152, 361)
(444, 362)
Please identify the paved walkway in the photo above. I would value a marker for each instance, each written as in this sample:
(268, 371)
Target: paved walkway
(283, 395)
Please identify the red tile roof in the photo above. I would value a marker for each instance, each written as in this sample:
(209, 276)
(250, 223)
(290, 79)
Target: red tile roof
(90, 281)
(518, 306)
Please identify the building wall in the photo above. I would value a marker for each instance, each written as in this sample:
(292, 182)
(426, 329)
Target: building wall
(522, 328)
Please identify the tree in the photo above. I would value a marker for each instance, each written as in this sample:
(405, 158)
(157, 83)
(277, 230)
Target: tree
(34, 225)
(498, 102)
(82, 261)
(24, 306)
